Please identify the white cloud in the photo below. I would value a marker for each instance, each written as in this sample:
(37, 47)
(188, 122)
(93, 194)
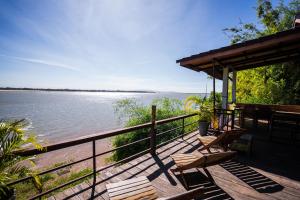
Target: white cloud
(131, 44)
(43, 62)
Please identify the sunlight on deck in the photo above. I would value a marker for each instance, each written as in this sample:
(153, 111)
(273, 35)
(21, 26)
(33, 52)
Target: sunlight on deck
(232, 180)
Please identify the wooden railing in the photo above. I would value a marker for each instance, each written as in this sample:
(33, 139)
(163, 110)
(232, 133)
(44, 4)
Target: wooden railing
(263, 111)
(225, 118)
(153, 133)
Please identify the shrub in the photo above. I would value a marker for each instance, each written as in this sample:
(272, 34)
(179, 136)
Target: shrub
(134, 113)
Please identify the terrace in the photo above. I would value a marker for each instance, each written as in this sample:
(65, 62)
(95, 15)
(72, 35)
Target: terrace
(271, 172)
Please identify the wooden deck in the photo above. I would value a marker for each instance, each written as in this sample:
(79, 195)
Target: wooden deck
(273, 176)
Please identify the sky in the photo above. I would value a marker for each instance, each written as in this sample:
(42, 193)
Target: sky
(113, 44)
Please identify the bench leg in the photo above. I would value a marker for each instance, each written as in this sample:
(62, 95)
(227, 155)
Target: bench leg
(182, 176)
(208, 174)
(183, 179)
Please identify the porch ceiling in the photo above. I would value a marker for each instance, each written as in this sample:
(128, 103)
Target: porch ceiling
(277, 48)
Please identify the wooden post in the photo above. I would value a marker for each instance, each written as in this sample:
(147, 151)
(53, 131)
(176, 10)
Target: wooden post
(94, 169)
(153, 131)
(233, 95)
(182, 131)
(225, 88)
(223, 116)
(214, 91)
(234, 86)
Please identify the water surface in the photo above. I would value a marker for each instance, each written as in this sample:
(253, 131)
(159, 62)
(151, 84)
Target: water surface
(57, 116)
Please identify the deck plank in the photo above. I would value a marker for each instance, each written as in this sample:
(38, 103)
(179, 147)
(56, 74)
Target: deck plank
(233, 180)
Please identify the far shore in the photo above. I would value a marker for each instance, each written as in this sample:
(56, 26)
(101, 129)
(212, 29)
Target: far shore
(71, 90)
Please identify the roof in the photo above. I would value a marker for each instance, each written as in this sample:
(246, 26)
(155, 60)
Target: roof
(276, 48)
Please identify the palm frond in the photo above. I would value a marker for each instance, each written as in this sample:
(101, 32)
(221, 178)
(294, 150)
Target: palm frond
(192, 103)
(12, 137)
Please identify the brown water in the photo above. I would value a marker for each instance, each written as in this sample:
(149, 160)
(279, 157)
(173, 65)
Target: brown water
(56, 116)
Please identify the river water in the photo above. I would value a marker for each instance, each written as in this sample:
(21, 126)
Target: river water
(56, 116)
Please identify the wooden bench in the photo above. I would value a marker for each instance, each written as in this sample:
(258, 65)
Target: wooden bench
(132, 189)
(141, 189)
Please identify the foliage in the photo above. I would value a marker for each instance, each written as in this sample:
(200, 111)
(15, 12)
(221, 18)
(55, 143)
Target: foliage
(12, 137)
(203, 105)
(199, 105)
(218, 97)
(135, 113)
(50, 180)
(276, 84)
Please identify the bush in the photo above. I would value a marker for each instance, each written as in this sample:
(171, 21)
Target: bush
(134, 113)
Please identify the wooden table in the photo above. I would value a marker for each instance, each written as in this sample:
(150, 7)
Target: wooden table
(244, 144)
(290, 118)
(132, 189)
(296, 114)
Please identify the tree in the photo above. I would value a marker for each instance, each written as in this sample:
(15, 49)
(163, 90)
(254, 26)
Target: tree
(12, 137)
(276, 84)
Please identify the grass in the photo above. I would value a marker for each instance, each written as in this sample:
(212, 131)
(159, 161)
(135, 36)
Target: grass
(27, 189)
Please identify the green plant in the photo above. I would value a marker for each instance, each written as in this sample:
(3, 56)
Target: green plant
(133, 113)
(12, 138)
(25, 190)
(199, 105)
(275, 84)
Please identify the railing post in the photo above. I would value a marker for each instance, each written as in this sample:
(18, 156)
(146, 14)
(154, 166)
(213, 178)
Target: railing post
(182, 132)
(153, 131)
(232, 120)
(94, 169)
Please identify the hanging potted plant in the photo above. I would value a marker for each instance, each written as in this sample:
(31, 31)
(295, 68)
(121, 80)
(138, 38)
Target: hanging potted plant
(203, 108)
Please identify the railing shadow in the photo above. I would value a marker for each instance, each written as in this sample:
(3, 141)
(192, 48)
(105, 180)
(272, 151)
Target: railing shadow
(163, 168)
(197, 179)
(254, 179)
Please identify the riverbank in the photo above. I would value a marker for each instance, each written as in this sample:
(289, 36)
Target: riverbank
(74, 153)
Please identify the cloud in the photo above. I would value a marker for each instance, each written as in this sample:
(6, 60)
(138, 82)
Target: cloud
(43, 62)
(130, 44)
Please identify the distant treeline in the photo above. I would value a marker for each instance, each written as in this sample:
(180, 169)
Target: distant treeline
(73, 90)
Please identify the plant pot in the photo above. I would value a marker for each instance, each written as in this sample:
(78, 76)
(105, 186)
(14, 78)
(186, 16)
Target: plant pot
(7, 193)
(13, 197)
(203, 127)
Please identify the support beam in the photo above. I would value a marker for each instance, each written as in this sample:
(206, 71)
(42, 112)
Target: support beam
(214, 90)
(234, 86)
(225, 88)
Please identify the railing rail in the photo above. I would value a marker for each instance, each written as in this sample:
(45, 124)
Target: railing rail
(94, 137)
(225, 117)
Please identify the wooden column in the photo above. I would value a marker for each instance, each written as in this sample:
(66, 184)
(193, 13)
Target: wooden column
(234, 86)
(214, 89)
(225, 88)
(153, 131)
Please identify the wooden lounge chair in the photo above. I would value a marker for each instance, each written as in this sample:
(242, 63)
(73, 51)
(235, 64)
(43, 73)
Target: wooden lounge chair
(189, 161)
(223, 140)
(141, 188)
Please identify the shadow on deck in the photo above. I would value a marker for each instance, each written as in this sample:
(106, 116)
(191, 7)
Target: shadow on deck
(254, 179)
(241, 178)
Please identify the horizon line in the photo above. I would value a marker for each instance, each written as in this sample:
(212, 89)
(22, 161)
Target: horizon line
(91, 90)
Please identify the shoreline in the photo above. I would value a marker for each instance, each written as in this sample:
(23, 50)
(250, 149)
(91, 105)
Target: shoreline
(71, 90)
(74, 153)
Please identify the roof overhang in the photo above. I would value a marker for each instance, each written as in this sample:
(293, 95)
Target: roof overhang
(272, 49)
